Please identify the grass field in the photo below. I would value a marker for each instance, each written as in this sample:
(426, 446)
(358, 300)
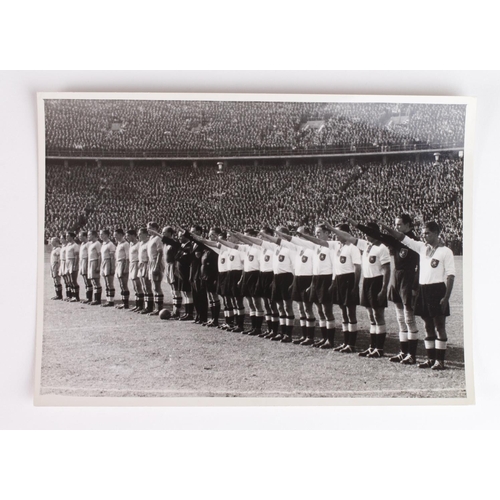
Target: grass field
(91, 351)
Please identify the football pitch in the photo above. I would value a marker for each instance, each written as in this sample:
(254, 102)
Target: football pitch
(94, 351)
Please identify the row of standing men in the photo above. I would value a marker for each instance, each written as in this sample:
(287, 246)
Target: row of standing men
(271, 270)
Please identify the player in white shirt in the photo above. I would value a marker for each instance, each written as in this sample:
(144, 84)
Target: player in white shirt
(283, 264)
(436, 279)
(376, 269)
(62, 267)
(250, 281)
(122, 268)
(93, 271)
(235, 264)
(134, 269)
(321, 284)
(347, 264)
(108, 250)
(72, 265)
(84, 266)
(303, 274)
(55, 262)
(156, 269)
(144, 272)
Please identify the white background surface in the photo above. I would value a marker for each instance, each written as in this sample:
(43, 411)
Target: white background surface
(18, 221)
(266, 35)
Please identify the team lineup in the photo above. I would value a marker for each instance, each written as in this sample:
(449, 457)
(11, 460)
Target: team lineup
(271, 270)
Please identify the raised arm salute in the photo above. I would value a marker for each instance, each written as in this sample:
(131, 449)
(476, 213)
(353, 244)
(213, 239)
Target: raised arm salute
(436, 278)
(403, 290)
(375, 264)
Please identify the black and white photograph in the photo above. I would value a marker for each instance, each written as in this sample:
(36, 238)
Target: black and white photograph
(254, 249)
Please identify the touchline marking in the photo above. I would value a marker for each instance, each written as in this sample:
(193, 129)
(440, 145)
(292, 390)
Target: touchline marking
(257, 393)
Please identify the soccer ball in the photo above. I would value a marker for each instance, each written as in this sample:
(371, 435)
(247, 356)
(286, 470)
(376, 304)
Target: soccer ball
(165, 314)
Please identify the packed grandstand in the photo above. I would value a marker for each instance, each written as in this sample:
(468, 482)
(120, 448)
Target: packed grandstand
(254, 195)
(214, 128)
(116, 193)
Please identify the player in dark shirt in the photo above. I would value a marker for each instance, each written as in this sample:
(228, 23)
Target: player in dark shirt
(403, 286)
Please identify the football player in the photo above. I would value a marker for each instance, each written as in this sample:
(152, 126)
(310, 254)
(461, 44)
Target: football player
(108, 250)
(134, 269)
(84, 266)
(55, 263)
(93, 271)
(143, 272)
(122, 266)
(72, 265)
(155, 257)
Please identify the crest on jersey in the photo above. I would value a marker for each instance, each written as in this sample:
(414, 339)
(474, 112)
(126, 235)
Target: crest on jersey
(304, 258)
(322, 257)
(372, 259)
(403, 252)
(281, 258)
(250, 258)
(342, 259)
(231, 258)
(266, 258)
(223, 260)
(434, 263)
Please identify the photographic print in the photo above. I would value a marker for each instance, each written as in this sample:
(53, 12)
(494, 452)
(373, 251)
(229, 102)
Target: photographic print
(237, 249)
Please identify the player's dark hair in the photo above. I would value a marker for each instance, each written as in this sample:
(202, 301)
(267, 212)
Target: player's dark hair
(250, 231)
(119, 231)
(105, 231)
(94, 233)
(216, 230)
(168, 229)
(283, 229)
(132, 232)
(304, 230)
(433, 227)
(344, 227)
(143, 230)
(267, 230)
(196, 227)
(71, 233)
(322, 227)
(406, 218)
(153, 225)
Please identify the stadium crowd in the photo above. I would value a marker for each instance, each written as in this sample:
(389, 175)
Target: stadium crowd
(249, 195)
(151, 127)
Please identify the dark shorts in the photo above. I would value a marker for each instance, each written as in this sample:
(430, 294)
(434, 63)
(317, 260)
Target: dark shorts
(211, 285)
(221, 283)
(265, 284)
(249, 285)
(402, 291)
(232, 287)
(369, 294)
(281, 287)
(428, 299)
(319, 289)
(299, 287)
(345, 293)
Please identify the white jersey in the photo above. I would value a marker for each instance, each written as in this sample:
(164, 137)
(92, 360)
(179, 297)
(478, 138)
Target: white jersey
(55, 259)
(155, 248)
(303, 265)
(322, 256)
(84, 250)
(266, 260)
(143, 252)
(133, 253)
(283, 258)
(122, 251)
(345, 257)
(436, 264)
(374, 258)
(236, 260)
(223, 259)
(251, 254)
(108, 250)
(72, 251)
(62, 259)
(94, 250)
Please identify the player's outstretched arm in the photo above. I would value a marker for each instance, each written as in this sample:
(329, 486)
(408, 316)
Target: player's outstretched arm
(284, 236)
(393, 232)
(312, 239)
(228, 244)
(343, 235)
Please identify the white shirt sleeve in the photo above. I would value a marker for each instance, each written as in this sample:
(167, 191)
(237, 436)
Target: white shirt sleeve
(362, 244)
(301, 242)
(355, 254)
(449, 263)
(269, 245)
(384, 255)
(416, 246)
(290, 246)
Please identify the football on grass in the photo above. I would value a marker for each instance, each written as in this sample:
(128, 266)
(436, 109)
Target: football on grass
(165, 314)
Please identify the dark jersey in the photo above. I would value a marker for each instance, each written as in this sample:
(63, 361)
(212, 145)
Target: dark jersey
(173, 248)
(183, 259)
